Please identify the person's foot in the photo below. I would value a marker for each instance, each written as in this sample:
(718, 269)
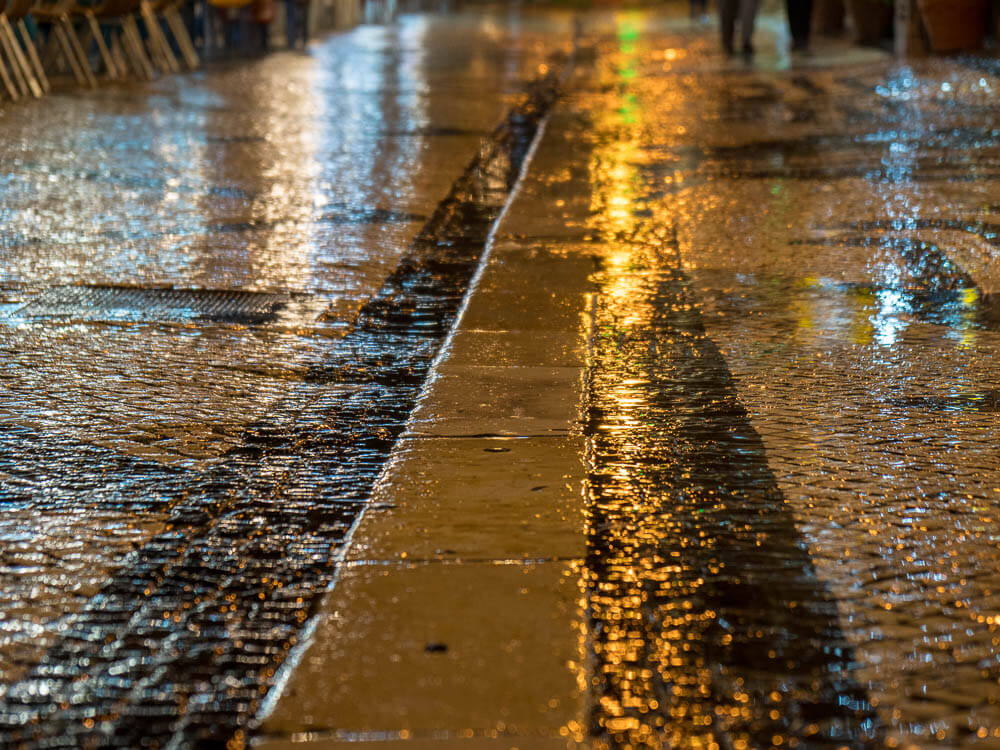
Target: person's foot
(800, 46)
(727, 47)
(748, 51)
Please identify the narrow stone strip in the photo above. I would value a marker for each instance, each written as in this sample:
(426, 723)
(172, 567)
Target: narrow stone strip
(709, 626)
(183, 645)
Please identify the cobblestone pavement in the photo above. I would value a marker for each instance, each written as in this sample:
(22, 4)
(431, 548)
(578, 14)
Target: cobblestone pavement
(793, 474)
(223, 293)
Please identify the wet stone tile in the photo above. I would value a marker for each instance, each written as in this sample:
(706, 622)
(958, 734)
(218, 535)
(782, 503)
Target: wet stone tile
(416, 667)
(533, 348)
(476, 499)
(514, 401)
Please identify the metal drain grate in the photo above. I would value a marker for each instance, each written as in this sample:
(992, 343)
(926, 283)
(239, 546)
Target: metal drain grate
(133, 304)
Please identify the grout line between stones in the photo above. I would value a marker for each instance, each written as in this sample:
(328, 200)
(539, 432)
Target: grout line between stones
(428, 561)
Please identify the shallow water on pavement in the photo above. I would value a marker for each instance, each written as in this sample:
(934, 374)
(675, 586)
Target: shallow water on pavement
(792, 523)
(794, 467)
(130, 418)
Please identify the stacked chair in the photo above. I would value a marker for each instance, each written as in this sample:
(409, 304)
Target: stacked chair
(89, 37)
(64, 46)
(20, 66)
(169, 11)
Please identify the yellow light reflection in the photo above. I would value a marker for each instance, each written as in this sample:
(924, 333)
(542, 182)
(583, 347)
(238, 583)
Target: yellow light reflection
(633, 659)
(968, 336)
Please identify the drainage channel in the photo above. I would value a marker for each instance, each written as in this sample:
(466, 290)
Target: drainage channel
(181, 647)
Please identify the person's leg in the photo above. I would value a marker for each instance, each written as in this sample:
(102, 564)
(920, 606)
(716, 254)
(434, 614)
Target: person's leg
(748, 18)
(727, 23)
(291, 23)
(799, 21)
(805, 21)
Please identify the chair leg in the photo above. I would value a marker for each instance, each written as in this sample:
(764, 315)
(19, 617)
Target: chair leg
(118, 54)
(121, 48)
(168, 51)
(167, 61)
(10, 50)
(77, 49)
(151, 43)
(181, 36)
(66, 49)
(157, 40)
(133, 42)
(102, 47)
(13, 67)
(20, 58)
(8, 83)
(139, 50)
(29, 44)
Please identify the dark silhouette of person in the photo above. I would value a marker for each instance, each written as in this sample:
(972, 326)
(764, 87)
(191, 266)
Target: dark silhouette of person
(799, 22)
(747, 11)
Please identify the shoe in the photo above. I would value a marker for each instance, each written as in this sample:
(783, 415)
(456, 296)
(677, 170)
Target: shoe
(748, 51)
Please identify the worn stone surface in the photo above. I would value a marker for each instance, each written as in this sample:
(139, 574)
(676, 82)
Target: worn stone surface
(476, 499)
(390, 654)
(526, 401)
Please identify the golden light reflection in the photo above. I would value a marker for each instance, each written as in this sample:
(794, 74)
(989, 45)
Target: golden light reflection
(968, 329)
(636, 661)
(612, 165)
(678, 476)
(862, 305)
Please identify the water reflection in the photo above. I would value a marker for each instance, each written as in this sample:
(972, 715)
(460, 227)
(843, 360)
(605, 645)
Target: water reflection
(702, 637)
(793, 404)
(175, 486)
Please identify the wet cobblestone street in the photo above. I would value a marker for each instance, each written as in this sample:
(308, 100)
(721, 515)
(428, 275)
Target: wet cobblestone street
(510, 376)
(181, 467)
(815, 294)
